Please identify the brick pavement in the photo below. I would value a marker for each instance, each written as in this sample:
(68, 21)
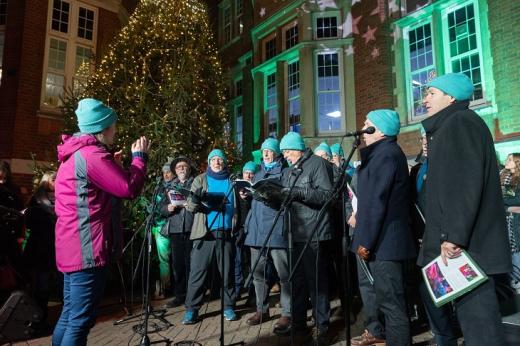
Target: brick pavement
(206, 332)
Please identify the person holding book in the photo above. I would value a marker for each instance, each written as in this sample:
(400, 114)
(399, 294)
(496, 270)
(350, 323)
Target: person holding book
(177, 225)
(463, 202)
(212, 200)
(311, 179)
(258, 224)
(382, 239)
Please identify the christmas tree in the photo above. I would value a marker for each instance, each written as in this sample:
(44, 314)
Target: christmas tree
(163, 77)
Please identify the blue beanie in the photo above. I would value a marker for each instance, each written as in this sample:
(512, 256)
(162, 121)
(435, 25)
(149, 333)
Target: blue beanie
(219, 153)
(271, 144)
(323, 147)
(292, 141)
(250, 166)
(167, 167)
(336, 149)
(457, 85)
(386, 121)
(94, 116)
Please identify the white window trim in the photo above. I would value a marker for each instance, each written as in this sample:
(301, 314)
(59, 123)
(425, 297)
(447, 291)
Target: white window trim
(446, 45)
(325, 14)
(72, 42)
(342, 106)
(408, 74)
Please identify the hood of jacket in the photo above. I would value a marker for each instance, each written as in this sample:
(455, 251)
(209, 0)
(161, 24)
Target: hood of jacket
(72, 143)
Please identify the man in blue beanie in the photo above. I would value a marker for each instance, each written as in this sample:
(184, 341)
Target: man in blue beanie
(382, 239)
(323, 151)
(311, 177)
(464, 208)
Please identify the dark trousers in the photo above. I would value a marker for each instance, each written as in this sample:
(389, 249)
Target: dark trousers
(180, 244)
(386, 296)
(439, 318)
(311, 272)
(202, 254)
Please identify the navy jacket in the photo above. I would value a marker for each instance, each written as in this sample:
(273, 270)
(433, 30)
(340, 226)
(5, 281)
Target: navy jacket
(260, 218)
(383, 203)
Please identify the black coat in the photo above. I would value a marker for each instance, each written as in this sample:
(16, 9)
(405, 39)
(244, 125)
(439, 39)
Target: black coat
(383, 194)
(316, 179)
(463, 196)
(180, 220)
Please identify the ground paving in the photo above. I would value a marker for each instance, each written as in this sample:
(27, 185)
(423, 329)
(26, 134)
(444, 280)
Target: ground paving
(206, 332)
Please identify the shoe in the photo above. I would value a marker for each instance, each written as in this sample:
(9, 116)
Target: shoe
(173, 303)
(229, 314)
(282, 326)
(367, 339)
(190, 317)
(275, 288)
(257, 318)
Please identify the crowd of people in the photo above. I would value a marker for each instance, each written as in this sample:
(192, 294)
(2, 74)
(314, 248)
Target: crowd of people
(382, 214)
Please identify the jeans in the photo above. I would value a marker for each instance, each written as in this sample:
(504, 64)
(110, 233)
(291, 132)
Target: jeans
(82, 292)
(281, 263)
(163, 252)
(370, 309)
(439, 318)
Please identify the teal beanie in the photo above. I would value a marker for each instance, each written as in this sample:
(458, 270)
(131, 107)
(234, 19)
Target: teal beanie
(457, 85)
(386, 121)
(271, 144)
(219, 153)
(250, 166)
(336, 149)
(323, 147)
(167, 167)
(94, 116)
(292, 141)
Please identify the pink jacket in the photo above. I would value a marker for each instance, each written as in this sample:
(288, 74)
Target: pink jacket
(88, 184)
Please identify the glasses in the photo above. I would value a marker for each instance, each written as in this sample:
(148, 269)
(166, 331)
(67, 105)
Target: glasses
(183, 167)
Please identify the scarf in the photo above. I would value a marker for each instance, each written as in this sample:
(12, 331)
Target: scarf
(222, 175)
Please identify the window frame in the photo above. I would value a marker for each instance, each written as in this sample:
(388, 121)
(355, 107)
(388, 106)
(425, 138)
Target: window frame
(239, 16)
(239, 142)
(264, 41)
(73, 41)
(2, 41)
(267, 107)
(325, 14)
(293, 98)
(229, 25)
(285, 29)
(340, 91)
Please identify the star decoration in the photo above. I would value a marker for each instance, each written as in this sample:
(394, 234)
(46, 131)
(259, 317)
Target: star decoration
(355, 22)
(379, 10)
(354, 2)
(262, 12)
(323, 4)
(346, 27)
(349, 50)
(392, 6)
(375, 53)
(369, 35)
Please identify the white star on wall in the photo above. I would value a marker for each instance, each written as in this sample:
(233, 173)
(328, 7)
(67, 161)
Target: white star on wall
(262, 12)
(349, 50)
(369, 35)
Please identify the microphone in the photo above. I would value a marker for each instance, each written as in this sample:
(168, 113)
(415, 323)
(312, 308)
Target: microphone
(297, 167)
(369, 130)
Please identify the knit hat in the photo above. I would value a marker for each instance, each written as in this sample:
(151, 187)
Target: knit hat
(250, 166)
(386, 121)
(292, 141)
(219, 153)
(182, 158)
(323, 147)
(457, 85)
(271, 144)
(336, 149)
(94, 116)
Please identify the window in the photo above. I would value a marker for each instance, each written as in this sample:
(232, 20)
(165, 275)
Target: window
(70, 45)
(2, 40)
(226, 24)
(269, 48)
(461, 45)
(3, 19)
(422, 66)
(271, 105)
(293, 95)
(238, 87)
(328, 92)
(239, 128)
(463, 55)
(239, 11)
(326, 27)
(291, 37)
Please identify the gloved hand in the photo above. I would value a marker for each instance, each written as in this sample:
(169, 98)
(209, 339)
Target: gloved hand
(297, 193)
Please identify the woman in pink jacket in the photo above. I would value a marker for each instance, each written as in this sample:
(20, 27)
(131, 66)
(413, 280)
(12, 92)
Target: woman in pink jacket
(89, 182)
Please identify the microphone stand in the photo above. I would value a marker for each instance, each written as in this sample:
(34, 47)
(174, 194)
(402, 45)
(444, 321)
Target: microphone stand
(285, 207)
(338, 189)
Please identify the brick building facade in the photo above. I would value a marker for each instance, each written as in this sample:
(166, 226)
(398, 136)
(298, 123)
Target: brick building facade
(352, 56)
(46, 46)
